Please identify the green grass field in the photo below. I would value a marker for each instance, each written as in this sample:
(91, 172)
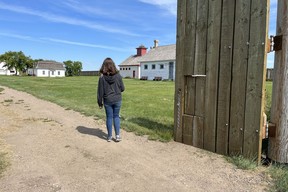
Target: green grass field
(147, 107)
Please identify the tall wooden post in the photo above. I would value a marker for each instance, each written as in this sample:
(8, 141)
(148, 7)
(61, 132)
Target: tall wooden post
(278, 145)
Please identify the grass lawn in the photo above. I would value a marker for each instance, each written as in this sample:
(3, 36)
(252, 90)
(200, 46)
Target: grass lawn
(147, 106)
(147, 109)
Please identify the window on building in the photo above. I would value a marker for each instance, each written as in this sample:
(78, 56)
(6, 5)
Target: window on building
(153, 66)
(161, 66)
(129, 68)
(145, 66)
(58, 72)
(43, 72)
(52, 72)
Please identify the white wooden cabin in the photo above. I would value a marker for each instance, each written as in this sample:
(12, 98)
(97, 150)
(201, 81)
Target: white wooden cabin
(47, 69)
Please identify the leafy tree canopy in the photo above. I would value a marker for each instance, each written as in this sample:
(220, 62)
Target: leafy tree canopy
(16, 60)
(73, 68)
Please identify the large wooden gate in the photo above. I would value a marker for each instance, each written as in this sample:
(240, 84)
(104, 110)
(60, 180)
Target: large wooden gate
(220, 73)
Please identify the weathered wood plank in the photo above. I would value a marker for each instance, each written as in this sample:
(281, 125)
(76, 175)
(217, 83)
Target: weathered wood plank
(179, 78)
(189, 57)
(255, 79)
(238, 88)
(228, 8)
(190, 38)
(198, 124)
(188, 129)
(189, 98)
(200, 56)
(212, 67)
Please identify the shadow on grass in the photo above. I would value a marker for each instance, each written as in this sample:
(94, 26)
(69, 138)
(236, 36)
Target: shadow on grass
(92, 131)
(152, 125)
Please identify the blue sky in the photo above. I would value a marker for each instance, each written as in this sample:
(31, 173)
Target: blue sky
(90, 31)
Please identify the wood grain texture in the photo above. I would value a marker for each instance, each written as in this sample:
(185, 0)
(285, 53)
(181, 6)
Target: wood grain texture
(278, 149)
(212, 67)
(179, 79)
(239, 74)
(224, 85)
(224, 40)
(255, 79)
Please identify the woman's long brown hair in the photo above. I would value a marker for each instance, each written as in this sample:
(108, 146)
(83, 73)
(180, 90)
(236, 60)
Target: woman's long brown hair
(108, 67)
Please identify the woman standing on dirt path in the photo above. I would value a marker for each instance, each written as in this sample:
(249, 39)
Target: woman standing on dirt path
(110, 88)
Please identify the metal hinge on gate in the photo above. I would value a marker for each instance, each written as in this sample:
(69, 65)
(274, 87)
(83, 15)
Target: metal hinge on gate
(275, 43)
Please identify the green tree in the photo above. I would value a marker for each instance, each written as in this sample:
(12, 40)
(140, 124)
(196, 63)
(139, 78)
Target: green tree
(73, 68)
(68, 66)
(77, 67)
(17, 61)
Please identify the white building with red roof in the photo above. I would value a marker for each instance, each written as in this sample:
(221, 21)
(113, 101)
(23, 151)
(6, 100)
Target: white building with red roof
(156, 64)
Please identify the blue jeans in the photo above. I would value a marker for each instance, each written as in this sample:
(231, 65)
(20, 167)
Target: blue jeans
(112, 115)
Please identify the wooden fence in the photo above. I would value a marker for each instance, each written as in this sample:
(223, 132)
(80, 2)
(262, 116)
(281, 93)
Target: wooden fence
(89, 73)
(220, 74)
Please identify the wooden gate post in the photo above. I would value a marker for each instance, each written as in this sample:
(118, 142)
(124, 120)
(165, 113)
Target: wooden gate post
(278, 145)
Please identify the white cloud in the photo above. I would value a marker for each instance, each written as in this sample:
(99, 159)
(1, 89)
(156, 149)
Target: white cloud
(16, 36)
(45, 39)
(66, 20)
(83, 44)
(170, 5)
(83, 8)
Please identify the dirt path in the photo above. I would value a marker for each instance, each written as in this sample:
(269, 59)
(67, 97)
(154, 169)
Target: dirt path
(53, 149)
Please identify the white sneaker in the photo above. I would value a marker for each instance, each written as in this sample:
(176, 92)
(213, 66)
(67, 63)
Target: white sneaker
(109, 139)
(118, 138)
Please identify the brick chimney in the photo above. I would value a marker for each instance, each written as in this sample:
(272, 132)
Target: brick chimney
(141, 50)
(156, 43)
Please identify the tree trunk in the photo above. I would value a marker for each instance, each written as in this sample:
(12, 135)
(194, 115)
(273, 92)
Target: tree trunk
(278, 145)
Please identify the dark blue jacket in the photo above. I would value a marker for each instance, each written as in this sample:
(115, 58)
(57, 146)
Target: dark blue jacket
(110, 89)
